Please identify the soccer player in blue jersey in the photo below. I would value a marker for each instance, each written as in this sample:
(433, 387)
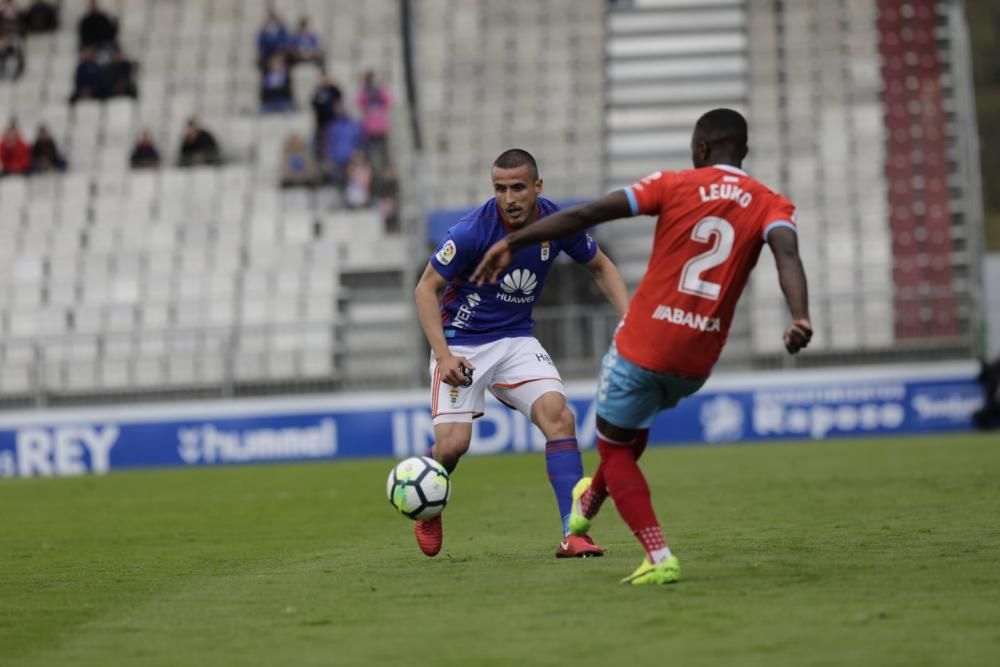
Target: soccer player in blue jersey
(481, 340)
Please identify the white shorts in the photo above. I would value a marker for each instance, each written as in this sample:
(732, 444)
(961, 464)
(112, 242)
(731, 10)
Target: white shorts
(515, 370)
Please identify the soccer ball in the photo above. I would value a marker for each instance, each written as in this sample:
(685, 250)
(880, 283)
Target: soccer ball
(419, 487)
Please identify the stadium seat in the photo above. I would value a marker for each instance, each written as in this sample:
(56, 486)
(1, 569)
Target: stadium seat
(16, 379)
(250, 366)
(79, 375)
(316, 363)
(25, 296)
(149, 372)
(115, 374)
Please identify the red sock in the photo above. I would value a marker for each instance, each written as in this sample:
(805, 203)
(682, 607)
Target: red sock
(628, 488)
(591, 501)
(594, 497)
(599, 485)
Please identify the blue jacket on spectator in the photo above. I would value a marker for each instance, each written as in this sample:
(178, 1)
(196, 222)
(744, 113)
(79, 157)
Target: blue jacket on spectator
(344, 135)
(90, 78)
(304, 41)
(271, 39)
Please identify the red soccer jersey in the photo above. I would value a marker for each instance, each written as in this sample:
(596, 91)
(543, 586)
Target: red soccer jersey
(712, 223)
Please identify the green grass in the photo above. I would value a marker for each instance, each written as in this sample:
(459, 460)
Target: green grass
(880, 552)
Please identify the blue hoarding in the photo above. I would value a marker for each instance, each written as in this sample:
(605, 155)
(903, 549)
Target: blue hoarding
(763, 407)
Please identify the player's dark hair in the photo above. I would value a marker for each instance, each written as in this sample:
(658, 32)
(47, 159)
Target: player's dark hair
(723, 127)
(517, 157)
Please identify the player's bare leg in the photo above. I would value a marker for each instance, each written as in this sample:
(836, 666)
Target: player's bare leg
(565, 467)
(451, 441)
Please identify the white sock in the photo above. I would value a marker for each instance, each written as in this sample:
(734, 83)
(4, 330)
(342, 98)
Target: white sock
(659, 555)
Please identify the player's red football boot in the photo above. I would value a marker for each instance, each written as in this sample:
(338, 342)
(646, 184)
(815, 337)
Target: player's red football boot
(430, 535)
(578, 546)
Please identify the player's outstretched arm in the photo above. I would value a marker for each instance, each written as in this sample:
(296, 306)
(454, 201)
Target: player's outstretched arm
(610, 281)
(612, 206)
(428, 308)
(784, 244)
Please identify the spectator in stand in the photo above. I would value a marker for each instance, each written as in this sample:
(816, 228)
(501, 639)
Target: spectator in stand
(89, 82)
(357, 192)
(15, 154)
(304, 47)
(988, 417)
(121, 75)
(198, 146)
(276, 87)
(41, 17)
(145, 154)
(298, 165)
(45, 155)
(97, 29)
(344, 136)
(326, 95)
(272, 38)
(10, 18)
(11, 47)
(11, 50)
(374, 102)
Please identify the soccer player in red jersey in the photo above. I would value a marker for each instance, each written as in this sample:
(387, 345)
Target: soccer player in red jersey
(713, 221)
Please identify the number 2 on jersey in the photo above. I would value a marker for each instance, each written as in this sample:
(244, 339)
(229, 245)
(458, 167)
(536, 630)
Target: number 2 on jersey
(707, 230)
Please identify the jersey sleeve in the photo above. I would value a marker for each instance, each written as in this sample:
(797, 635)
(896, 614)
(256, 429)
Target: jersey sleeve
(580, 247)
(782, 214)
(456, 255)
(648, 195)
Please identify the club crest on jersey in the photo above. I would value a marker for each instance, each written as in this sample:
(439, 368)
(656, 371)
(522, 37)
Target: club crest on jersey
(453, 396)
(447, 252)
(545, 250)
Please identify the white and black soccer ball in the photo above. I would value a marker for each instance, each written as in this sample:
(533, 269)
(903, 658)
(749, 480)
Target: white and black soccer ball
(418, 487)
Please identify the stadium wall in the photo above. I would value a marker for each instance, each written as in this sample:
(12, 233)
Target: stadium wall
(730, 409)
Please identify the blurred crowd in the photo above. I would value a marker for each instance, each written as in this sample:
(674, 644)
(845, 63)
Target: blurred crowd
(17, 24)
(349, 153)
(17, 156)
(344, 151)
(104, 70)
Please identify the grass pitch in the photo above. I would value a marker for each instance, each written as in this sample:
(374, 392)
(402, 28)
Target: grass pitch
(880, 552)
